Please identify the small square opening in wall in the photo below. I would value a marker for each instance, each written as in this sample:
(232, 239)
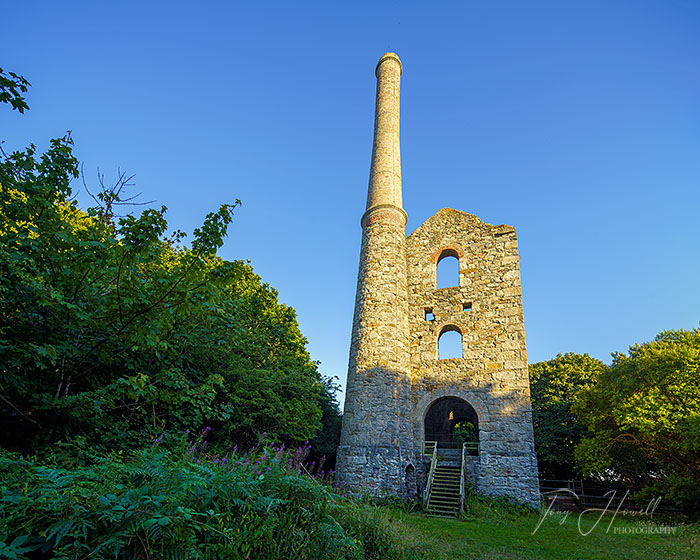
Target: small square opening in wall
(429, 316)
(467, 306)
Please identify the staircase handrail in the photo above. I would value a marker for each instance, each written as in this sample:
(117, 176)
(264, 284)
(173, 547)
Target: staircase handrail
(431, 473)
(461, 478)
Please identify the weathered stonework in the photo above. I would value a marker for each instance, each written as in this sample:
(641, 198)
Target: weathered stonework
(394, 374)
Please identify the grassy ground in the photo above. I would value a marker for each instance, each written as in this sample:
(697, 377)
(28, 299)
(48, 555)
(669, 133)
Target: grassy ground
(509, 535)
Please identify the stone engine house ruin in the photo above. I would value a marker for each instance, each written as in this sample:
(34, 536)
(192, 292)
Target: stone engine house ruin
(415, 425)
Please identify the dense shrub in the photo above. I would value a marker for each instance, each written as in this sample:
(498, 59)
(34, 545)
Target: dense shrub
(159, 503)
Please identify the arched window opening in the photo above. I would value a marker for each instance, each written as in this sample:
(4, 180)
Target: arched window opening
(450, 343)
(447, 272)
(452, 422)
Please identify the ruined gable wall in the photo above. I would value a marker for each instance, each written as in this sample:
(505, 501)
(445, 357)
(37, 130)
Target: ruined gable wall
(492, 375)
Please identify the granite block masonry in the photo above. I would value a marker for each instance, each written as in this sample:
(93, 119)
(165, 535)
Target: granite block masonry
(399, 393)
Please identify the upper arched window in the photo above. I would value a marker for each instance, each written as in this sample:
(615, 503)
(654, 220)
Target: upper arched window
(450, 343)
(447, 272)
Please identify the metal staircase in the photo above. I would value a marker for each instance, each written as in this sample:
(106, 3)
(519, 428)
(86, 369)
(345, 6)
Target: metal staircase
(444, 498)
(444, 491)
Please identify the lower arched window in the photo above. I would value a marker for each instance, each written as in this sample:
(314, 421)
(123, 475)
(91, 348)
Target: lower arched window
(450, 343)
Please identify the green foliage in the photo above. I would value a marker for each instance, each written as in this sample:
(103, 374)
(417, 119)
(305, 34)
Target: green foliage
(112, 331)
(392, 503)
(270, 382)
(326, 441)
(555, 387)
(643, 416)
(465, 432)
(12, 87)
(496, 508)
(678, 491)
(157, 503)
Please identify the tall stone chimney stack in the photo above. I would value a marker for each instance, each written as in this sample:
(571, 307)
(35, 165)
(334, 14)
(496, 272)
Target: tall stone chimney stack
(385, 171)
(374, 424)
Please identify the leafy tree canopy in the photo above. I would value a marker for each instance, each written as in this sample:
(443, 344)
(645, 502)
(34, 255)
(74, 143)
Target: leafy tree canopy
(555, 388)
(644, 413)
(113, 331)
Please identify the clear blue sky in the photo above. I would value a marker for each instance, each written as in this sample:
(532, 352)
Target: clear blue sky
(576, 122)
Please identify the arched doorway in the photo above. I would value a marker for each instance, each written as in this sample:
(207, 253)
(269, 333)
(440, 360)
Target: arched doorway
(451, 421)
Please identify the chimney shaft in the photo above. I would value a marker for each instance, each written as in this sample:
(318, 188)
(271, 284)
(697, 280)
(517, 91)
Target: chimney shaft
(385, 171)
(375, 427)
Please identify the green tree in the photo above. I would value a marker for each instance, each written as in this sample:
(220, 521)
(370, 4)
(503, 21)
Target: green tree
(270, 382)
(649, 399)
(113, 331)
(643, 418)
(325, 443)
(555, 389)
